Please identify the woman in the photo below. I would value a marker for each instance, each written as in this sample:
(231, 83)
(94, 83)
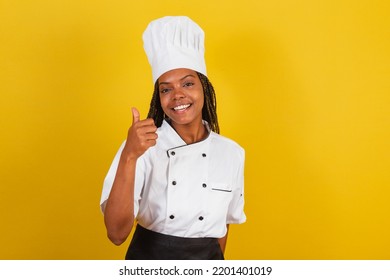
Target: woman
(175, 174)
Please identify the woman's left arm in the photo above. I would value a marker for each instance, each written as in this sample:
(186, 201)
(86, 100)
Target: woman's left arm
(222, 241)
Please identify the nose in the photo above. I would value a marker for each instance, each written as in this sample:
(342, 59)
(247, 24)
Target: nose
(178, 94)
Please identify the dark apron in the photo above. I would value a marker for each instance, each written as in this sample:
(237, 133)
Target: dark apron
(150, 245)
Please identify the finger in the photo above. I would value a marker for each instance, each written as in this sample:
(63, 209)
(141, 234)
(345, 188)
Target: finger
(149, 129)
(151, 136)
(152, 142)
(135, 115)
(146, 122)
(148, 136)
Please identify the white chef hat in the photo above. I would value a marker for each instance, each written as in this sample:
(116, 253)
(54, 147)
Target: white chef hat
(174, 42)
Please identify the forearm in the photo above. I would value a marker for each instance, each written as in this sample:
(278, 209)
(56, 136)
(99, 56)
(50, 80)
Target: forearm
(119, 210)
(222, 241)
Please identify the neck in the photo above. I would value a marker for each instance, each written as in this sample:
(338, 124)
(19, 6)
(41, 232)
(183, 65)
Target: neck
(191, 133)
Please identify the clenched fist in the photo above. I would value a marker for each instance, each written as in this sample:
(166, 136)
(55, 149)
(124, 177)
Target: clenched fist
(141, 136)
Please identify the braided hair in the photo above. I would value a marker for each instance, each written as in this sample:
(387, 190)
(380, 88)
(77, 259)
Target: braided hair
(209, 111)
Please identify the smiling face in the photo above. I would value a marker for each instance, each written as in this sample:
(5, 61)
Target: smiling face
(181, 96)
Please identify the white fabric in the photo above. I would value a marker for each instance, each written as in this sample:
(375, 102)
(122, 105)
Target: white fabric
(198, 210)
(172, 43)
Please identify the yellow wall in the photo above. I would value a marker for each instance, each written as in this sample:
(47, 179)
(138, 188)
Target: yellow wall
(302, 85)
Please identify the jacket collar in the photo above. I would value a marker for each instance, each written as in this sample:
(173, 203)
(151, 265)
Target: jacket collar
(173, 138)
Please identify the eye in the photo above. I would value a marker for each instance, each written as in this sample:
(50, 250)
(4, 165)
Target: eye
(164, 90)
(188, 84)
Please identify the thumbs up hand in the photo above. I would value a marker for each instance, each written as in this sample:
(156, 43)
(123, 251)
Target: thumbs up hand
(141, 136)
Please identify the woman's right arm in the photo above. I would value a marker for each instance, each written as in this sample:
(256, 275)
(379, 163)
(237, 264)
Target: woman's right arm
(119, 207)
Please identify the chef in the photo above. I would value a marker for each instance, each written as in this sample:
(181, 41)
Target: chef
(175, 176)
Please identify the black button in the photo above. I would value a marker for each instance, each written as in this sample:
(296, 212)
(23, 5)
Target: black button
(174, 183)
(171, 217)
(173, 153)
(203, 155)
(204, 185)
(201, 218)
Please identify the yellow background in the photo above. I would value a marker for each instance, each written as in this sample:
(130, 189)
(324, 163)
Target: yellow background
(302, 85)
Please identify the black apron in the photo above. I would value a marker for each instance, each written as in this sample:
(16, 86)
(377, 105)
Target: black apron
(150, 245)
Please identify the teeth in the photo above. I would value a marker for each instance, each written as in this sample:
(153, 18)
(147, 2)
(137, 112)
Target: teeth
(181, 107)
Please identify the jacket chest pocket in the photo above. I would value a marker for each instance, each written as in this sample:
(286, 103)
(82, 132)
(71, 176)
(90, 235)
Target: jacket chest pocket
(219, 197)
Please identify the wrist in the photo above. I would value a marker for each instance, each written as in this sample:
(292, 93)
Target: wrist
(128, 157)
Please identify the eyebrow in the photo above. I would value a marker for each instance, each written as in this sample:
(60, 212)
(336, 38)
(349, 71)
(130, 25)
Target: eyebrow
(167, 83)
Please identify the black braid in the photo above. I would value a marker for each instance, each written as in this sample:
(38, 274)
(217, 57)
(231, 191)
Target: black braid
(209, 111)
(155, 111)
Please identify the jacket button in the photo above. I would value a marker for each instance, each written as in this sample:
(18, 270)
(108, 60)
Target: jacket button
(174, 183)
(204, 185)
(171, 217)
(173, 153)
(203, 155)
(201, 218)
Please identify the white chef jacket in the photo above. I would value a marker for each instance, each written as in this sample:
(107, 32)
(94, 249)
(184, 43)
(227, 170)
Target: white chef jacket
(187, 190)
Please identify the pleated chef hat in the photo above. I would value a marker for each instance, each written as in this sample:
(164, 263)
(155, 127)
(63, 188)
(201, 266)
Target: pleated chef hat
(174, 42)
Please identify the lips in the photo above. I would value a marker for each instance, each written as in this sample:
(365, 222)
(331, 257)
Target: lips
(181, 107)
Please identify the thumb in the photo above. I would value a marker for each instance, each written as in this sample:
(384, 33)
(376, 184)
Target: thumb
(135, 115)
